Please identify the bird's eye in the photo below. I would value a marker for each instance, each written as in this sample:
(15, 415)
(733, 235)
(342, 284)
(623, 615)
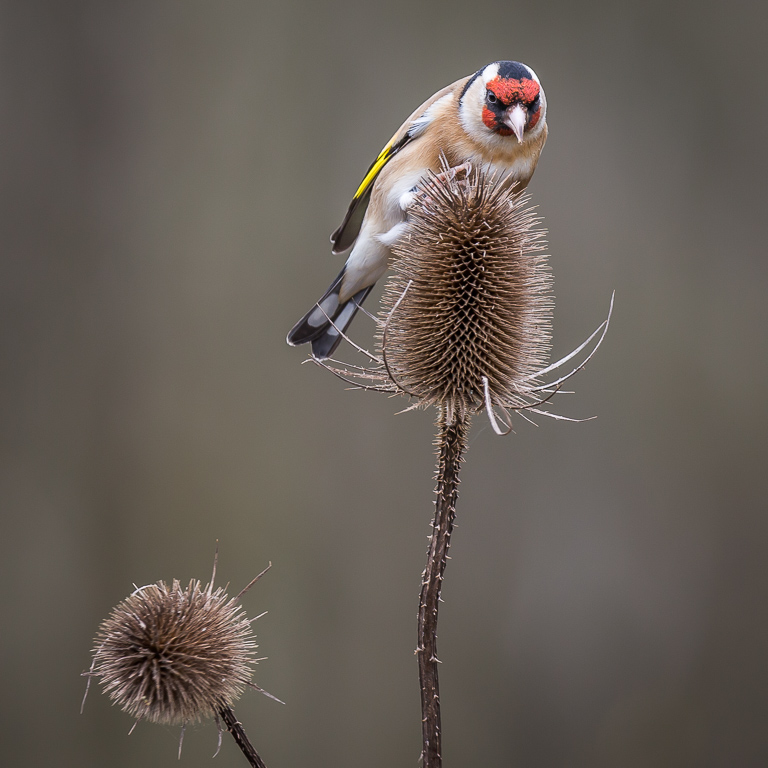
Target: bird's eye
(534, 107)
(490, 97)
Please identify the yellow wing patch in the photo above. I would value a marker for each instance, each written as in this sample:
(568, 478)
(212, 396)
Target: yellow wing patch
(373, 172)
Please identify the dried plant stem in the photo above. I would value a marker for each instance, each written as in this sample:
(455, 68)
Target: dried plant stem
(451, 443)
(234, 726)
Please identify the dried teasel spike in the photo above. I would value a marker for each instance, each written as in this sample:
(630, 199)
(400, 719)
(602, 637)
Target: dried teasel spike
(479, 299)
(468, 309)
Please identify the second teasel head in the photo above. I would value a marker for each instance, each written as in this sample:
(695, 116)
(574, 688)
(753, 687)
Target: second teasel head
(175, 655)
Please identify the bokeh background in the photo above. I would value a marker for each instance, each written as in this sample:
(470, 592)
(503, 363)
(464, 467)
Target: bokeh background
(170, 173)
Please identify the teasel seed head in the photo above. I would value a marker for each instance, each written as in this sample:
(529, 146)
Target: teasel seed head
(175, 655)
(467, 312)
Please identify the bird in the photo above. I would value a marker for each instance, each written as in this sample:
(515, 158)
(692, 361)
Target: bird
(494, 120)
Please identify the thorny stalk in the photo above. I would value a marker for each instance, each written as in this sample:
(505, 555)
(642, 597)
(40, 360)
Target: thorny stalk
(234, 726)
(451, 443)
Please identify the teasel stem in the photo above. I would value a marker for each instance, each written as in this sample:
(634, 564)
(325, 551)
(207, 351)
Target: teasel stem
(235, 727)
(451, 442)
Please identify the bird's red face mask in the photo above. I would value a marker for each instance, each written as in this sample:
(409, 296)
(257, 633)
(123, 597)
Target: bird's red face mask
(512, 106)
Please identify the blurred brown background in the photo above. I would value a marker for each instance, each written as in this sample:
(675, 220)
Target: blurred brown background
(170, 173)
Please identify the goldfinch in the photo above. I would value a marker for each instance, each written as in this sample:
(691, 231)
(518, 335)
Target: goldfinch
(494, 120)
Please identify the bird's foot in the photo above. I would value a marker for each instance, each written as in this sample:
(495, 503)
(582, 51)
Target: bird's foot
(459, 173)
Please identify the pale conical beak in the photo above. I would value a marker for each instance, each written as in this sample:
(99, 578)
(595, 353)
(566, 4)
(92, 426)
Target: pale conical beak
(514, 118)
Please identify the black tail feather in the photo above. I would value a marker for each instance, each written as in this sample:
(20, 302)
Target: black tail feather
(323, 325)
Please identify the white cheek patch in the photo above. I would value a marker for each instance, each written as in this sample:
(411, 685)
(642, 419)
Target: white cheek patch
(471, 107)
